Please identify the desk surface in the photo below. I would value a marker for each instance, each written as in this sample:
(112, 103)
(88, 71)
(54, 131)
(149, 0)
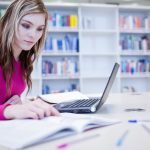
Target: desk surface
(135, 137)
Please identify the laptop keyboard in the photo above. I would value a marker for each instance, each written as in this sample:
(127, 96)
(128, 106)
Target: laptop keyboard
(82, 103)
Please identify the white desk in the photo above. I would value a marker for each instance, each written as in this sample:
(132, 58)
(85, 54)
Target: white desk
(136, 139)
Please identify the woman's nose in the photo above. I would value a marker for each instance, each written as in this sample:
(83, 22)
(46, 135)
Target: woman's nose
(32, 33)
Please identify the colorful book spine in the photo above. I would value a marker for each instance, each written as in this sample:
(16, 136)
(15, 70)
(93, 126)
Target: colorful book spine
(73, 21)
(68, 43)
(134, 22)
(135, 42)
(60, 20)
(64, 67)
(135, 66)
(46, 89)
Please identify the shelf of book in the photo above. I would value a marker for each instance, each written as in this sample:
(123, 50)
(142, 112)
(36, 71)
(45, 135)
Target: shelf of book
(134, 29)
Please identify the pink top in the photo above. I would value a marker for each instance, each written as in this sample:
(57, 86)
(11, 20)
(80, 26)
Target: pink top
(17, 86)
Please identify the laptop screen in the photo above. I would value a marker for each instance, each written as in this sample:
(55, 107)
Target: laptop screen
(108, 85)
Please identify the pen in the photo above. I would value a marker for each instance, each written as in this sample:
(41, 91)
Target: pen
(64, 146)
(146, 128)
(136, 121)
(122, 138)
(134, 109)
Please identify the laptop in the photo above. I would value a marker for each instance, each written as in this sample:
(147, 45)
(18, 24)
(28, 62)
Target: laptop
(90, 105)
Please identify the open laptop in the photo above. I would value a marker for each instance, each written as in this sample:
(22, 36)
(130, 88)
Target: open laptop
(90, 105)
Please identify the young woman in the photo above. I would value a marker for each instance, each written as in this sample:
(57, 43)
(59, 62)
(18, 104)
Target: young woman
(22, 34)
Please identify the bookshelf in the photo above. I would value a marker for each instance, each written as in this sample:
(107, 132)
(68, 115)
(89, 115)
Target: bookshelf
(98, 46)
(134, 23)
(80, 54)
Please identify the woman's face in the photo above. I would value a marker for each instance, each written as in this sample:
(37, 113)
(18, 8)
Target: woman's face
(30, 30)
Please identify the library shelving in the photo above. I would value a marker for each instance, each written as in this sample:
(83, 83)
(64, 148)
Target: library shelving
(134, 30)
(98, 46)
(83, 43)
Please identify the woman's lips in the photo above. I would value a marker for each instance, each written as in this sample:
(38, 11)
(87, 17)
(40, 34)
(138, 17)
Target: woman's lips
(29, 42)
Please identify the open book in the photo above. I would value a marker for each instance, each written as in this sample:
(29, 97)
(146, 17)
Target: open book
(16, 134)
(63, 97)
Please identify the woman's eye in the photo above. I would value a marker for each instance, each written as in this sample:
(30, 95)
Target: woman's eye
(40, 29)
(26, 26)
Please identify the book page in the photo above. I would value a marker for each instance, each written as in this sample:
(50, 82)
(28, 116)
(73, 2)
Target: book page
(63, 97)
(83, 122)
(16, 134)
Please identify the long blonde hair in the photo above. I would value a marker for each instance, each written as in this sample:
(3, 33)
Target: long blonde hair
(8, 29)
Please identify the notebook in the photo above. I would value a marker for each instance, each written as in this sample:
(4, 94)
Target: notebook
(89, 105)
(18, 134)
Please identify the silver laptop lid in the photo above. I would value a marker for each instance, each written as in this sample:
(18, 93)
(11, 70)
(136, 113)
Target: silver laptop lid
(108, 85)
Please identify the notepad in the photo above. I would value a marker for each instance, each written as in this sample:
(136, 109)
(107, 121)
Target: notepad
(17, 134)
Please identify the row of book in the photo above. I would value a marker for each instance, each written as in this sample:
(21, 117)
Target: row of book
(134, 22)
(134, 42)
(46, 89)
(135, 66)
(68, 43)
(57, 19)
(63, 67)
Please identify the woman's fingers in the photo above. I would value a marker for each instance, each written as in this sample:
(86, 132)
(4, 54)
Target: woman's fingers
(32, 115)
(48, 109)
(34, 110)
(39, 111)
(54, 111)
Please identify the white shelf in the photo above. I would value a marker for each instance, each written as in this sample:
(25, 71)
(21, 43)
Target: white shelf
(36, 78)
(135, 75)
(61, 5)
(94, 31)
(60, 54)
(135, 53)
(93, 6)
(134, 8)
(136, 31)
(58, 77)
(4, 3)
(63, 29)
(99, 54)
(97, 77)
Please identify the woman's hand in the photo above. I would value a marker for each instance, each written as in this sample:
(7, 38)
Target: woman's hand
(37, 109)
(14, 100)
